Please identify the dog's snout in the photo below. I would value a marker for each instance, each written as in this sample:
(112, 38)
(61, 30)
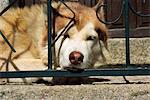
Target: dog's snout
(76, 57)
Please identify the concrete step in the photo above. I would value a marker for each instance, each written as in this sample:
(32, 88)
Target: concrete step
(76, 92)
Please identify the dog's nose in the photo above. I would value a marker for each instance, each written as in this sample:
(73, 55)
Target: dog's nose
(76, 57)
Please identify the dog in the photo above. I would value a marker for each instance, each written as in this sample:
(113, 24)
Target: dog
(79, 47)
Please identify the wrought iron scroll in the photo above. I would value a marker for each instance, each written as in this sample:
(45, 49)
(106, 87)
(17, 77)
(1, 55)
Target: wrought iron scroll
(121, 12)
(137, 13)
(109, 22)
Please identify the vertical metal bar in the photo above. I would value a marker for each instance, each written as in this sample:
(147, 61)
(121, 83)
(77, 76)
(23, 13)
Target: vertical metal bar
(49, 16)
(126, 19)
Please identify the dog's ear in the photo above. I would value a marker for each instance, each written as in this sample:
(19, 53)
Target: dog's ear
(102, 31)
(103, 35)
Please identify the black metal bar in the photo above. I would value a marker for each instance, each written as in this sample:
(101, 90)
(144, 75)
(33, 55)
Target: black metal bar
(98, 72)
(126, 20)
(5, 39)
(49, 14)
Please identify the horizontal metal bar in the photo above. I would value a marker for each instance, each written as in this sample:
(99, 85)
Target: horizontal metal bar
(88, 72)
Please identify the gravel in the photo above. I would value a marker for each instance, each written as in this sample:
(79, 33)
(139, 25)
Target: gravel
(76, 92)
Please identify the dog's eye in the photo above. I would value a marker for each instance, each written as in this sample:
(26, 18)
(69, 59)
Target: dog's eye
(66, 36)
(91, 38)
(98, 31)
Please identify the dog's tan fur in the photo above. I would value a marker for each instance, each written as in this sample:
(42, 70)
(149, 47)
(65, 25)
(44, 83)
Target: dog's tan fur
(29, 25)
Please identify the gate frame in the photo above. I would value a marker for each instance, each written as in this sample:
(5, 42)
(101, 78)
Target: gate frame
(127, 70)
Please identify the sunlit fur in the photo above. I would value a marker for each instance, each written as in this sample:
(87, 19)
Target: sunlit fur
(29, 24)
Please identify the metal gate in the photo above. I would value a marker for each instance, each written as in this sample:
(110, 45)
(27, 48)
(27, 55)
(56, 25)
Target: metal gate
(126, 70)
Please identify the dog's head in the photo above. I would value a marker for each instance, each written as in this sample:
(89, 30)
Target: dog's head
(79, 47)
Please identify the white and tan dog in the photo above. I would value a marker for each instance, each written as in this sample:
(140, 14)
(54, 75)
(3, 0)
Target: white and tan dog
(77, 48)
(81, 48)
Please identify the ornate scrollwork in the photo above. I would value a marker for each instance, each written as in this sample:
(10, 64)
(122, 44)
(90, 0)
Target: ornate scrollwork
(121, 13)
